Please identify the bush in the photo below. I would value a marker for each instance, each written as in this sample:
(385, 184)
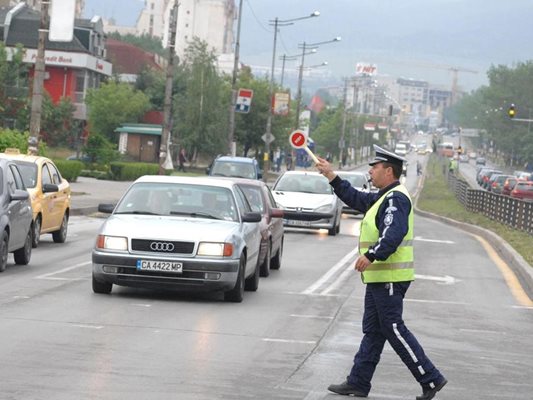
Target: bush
(69, 169)
(123, 171)
(14, 139)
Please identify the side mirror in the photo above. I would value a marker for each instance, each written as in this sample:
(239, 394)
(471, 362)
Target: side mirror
(20, 195)
(276, 213)
(251, 217)
(50, 188)
(106, 208)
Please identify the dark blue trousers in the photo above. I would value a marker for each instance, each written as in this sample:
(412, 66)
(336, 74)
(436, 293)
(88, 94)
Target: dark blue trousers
(382, 321)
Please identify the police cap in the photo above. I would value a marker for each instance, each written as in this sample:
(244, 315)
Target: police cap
(383, 155)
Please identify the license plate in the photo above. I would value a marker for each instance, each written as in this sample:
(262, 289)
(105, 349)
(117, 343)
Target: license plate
(164, 266)
(295, 222)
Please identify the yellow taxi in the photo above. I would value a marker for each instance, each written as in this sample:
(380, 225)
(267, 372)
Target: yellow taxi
(49, 194)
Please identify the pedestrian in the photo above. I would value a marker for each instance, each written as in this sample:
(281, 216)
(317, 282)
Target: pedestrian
(418, 168)
(288, 160)
(386, 265)
(182, 159)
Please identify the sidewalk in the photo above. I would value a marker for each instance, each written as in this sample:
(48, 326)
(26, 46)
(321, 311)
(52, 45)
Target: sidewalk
(87, 193)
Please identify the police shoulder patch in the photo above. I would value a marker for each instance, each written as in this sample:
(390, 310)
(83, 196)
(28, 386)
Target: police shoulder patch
(388, 219)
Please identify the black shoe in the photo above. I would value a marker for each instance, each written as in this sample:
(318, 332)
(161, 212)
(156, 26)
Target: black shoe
(346, 389)
(428, 394)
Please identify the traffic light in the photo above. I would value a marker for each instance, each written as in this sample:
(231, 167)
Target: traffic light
(511, 112)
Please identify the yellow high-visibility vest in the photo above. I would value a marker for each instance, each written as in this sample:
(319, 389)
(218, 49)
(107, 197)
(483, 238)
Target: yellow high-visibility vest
(399, 267)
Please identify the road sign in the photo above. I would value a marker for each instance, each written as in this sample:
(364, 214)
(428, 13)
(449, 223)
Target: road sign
(298, 140)
(268, 138)
(244, 100)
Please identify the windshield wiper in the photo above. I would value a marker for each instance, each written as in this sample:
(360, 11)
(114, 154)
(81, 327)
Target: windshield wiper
(137, 212)
(195, 214)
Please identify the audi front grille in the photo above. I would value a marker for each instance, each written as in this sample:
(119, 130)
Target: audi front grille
(162, 246)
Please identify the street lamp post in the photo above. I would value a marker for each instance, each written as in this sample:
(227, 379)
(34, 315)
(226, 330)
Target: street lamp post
(231, 132)
(306, 46)
(268, 134)
(284, 58)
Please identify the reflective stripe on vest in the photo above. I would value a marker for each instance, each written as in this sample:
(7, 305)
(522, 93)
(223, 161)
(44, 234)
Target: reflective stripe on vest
(399, 266)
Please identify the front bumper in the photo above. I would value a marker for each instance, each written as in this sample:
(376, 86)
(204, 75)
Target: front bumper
(308, 219)
(203, 274)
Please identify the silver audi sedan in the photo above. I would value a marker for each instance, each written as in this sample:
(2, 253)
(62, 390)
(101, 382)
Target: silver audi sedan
(170, 232)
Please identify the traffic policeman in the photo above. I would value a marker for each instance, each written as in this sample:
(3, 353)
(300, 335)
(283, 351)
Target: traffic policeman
(386, 264)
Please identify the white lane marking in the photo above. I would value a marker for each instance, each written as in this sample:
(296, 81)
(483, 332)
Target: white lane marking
(88, 326)
(140, 305)
(50, 274)
(437, 302)
(421, 239)
(21, 297)
(289, 341)
(346, 259)
(448, 280)
(340, 280)
(481, 331)
(310, 316)
(523, 307)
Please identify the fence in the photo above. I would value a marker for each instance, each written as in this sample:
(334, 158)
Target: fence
(515, 213)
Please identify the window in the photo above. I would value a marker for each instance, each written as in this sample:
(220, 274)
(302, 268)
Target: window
(11, 185)
(241, 201)
(19, 183)
(56, 176)
(45, 176)
(80, 87)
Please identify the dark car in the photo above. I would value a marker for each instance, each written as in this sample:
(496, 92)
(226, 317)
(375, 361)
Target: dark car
(238, 167)
(496, 183)
(15, 216)
(481, 161)
(523, 190)
(509, 185)
(271, 226)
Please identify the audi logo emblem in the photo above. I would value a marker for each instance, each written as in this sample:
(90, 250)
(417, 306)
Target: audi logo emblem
(161, 246)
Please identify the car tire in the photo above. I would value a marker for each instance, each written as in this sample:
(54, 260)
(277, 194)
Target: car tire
(36, 237)
(275, 262)
(333, 230)
(264, 269)
(60, 236)
(236, 294)
(22, 256)
(4, 243)
(101, 287)
(251, 284)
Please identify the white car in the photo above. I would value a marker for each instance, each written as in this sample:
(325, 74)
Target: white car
(170, 232)
(359, 180)
(308, 201)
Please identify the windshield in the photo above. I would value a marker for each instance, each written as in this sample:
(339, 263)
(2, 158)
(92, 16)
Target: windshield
(29, 173)
(355, 180)
(163, 198)
(316, 184)
(236, 169)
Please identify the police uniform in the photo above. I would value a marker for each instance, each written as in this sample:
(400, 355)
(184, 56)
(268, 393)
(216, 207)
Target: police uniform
(386, 239)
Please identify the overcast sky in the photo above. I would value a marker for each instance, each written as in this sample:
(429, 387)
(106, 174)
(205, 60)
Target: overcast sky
(410, 38)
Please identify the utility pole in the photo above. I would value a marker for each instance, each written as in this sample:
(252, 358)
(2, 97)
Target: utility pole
(231, 134)
(165, 159)
(343, 126)
(38, 82)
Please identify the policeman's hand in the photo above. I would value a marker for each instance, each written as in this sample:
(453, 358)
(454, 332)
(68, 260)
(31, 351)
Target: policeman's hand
(362, 263)
(325, 168)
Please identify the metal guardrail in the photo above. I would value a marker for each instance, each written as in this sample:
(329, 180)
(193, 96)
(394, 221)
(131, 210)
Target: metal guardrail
(512, 212)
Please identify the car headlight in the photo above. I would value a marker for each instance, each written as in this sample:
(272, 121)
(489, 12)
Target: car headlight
(215, 249)
(326, 208)
(112, 243)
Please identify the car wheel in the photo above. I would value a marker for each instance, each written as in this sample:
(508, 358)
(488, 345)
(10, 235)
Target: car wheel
(264, 269)
(36, 232)
(338, 227)
(333, 230)
(275, 262)
(23, 255)
(60, 235)
(4, 242)
(101, 287)
(236, 294)
(252, 283)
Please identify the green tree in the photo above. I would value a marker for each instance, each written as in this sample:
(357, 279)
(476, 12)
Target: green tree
(57, 121)
(100, 149)
(200, 102)
(146, 42)
(14, 84)
(112, 104)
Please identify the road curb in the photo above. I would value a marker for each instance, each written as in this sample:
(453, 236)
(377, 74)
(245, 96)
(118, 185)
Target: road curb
(516, 262)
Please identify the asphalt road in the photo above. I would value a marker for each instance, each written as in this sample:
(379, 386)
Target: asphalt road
(289, 340)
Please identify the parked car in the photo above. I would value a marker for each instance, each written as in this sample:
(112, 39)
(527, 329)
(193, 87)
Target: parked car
(509, 185)
(239, 167)
(15, 216)
(271, 226)
(49, 194)
(523, 190)
(496, 183)
(179, 233)
(360, 181)
(481, 161)
(308, 201)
